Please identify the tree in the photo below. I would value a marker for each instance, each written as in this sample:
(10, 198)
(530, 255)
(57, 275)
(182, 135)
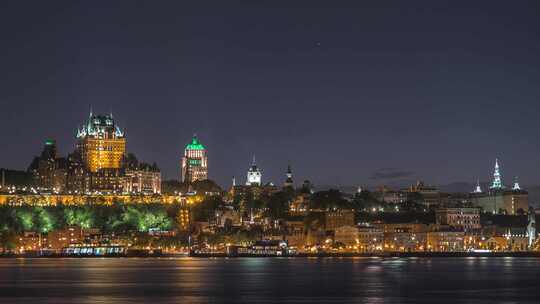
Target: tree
(278, 205)
(8, 240)
(43, 220)
(330, 199)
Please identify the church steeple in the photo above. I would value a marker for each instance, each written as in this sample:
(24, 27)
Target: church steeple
(477, 189)
(254, 175)
(497, 182)
(289, 180)
(516, 186)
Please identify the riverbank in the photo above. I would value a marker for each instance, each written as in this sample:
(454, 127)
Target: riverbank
(382, 255)
(143, 254)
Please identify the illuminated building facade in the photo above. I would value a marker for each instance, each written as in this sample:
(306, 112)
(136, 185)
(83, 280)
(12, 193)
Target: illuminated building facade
(194, 162)
(145, 181)
(254, 175)
(101, 143)
(183, 219)
(500, 199)
(466, 218)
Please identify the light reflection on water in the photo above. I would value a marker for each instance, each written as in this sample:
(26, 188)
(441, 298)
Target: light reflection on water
(270, 280)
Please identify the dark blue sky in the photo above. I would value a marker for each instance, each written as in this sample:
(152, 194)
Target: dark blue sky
(348, 92)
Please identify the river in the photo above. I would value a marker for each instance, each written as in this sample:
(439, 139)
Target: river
(270, 280)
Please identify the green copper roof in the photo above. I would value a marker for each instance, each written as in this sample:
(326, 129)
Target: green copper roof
(195, 144)
(50, 142)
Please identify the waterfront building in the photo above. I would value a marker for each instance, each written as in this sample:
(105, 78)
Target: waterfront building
(445, 241)
(194, 162)
(101, 143)
(30, 241)
(254, 175)
(370, 238)
(346, 235)
(467, 218)
(405, 237)
(60, 238)
(296, 233)
(512, 239)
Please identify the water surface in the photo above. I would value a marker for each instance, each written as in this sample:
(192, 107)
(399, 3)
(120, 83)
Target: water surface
(270, 280)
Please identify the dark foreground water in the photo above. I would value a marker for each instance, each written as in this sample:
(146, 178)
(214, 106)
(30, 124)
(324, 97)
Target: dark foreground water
(270, 280)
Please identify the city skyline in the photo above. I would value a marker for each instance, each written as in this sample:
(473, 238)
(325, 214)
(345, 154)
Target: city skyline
(384, 176)
(437, 103)
(270, 151)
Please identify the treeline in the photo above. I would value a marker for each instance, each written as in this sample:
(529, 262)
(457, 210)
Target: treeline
(115, 218)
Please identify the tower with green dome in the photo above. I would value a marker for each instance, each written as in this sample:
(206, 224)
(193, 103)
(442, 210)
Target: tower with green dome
(194, 162)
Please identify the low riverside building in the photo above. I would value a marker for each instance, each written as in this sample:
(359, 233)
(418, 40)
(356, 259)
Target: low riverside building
(60, 238)
(296, 233)
(406, 237)
(370, 238)
(346, 235)
(445, 241)
(466, 218)
(30, 241)
(509, 239)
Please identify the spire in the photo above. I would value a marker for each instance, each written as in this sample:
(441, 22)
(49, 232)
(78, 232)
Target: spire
(91, 114)
(478, 189)
(516, 186)
(497, 182)
(289, 181)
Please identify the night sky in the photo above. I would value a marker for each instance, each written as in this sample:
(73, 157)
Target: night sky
(350, 93)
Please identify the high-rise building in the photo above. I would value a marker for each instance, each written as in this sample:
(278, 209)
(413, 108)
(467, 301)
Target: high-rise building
(254, 175)
(48, 170)
(101, 143)
(194, 162)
